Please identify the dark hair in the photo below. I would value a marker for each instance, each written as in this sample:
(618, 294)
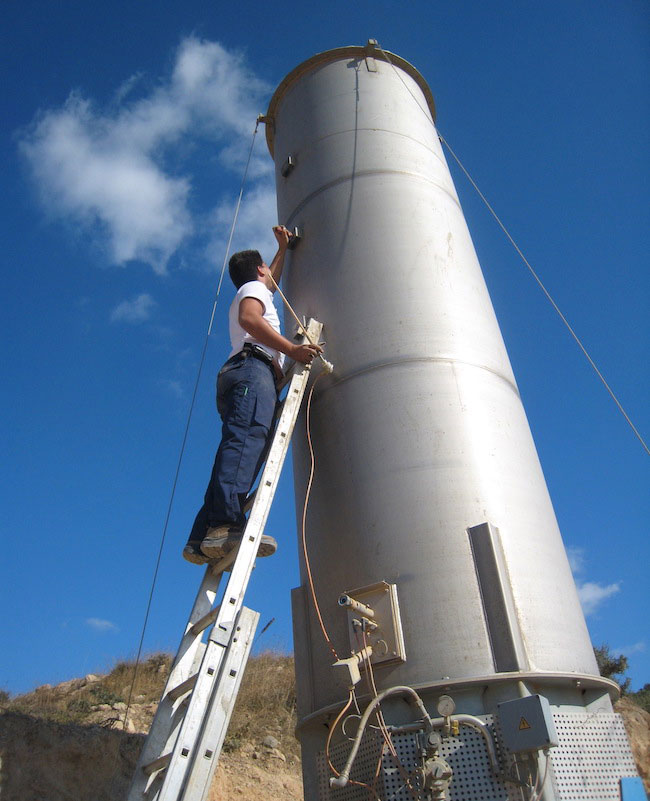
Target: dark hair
(243, 266)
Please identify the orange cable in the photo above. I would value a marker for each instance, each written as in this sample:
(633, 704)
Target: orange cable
(304, 522)
(370, 675)
(328, 743)
(331, 732)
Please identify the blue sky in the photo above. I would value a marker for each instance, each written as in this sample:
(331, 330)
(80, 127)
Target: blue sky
(125, 127)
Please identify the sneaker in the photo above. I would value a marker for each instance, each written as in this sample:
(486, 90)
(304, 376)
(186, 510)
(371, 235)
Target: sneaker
(192, 553)
(267, 547)
(220, 540)
(213, 543)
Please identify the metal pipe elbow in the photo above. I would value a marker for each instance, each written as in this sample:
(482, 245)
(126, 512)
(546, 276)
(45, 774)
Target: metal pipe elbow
(482, 728)
(339, 781)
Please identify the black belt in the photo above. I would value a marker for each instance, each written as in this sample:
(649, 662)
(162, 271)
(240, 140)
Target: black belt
(258, 353)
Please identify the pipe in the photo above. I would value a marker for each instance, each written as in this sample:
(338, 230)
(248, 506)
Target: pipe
(357, 606)
(481, 727)
(342, 779)
(431, 723)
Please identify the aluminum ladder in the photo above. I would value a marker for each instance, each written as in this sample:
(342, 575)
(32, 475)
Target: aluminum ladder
(182, 749)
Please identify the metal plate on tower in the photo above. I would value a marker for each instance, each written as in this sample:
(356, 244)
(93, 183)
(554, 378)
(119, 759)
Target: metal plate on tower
(385, 634)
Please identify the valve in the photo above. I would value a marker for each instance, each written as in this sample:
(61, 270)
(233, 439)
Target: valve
(436, 775)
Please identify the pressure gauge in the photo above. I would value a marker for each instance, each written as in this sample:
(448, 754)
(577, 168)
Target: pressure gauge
(446, 706)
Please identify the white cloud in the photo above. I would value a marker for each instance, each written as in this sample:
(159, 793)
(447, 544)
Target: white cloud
(576, 559)
(592, 595)
(98, 624)
(136, 310)
(113, 188)
(628, 650)
(174, 388)
(108, 170)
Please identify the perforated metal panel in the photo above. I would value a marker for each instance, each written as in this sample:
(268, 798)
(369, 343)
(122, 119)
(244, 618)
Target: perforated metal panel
(592, 755)
(473, 779)
(363, 769)
(466, 754)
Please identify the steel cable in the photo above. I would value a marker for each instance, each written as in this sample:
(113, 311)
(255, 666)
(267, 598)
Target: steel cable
(523, 258)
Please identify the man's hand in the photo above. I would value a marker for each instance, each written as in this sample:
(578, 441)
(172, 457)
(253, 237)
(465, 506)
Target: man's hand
(305, 353)
(282, 236)
(251, 319)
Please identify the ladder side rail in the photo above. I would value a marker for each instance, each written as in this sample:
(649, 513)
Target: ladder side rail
(224, 626)
(173, 734)
(222, 703)
(183, 749)
(236, 587)
(185, 664)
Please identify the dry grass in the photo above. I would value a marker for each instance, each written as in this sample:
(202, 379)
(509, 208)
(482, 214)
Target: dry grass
(73, 701)
(265, 705)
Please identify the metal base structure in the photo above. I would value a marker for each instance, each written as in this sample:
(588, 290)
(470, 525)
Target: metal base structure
(592, 755)
(587, 765)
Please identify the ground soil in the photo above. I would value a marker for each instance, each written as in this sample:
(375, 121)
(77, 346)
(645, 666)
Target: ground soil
(637, 725)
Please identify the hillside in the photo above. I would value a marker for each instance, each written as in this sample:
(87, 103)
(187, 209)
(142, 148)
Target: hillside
(66, 743)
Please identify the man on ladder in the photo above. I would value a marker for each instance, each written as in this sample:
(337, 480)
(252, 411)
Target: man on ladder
(246, 401)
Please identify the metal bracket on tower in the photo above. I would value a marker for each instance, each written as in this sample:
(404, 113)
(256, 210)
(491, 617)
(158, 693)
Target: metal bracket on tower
(288, 166)
(371, 47)
(294, 239)
(352, 664)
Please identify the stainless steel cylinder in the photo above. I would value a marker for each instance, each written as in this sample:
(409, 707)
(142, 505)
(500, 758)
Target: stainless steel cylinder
(419, 434)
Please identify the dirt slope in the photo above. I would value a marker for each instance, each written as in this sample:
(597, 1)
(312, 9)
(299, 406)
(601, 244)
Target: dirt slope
(66, 743)
(637, 725)
(43, 760)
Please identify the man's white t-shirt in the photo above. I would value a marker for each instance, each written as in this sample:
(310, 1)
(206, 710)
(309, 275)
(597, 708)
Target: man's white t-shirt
(238, 335)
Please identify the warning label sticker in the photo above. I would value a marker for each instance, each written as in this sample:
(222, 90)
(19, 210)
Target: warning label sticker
(523, 724)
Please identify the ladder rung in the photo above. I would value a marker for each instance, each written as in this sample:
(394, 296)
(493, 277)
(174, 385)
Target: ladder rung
(203, 622)
(182, 688)
(158, 764)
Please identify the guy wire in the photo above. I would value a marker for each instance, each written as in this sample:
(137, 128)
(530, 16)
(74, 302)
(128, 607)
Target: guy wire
(523, 258)
(185, 435)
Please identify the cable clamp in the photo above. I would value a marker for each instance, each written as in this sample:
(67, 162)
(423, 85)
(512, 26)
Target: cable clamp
(352, 663)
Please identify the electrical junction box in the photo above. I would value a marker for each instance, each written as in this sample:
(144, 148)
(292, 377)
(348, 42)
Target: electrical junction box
(527, 724)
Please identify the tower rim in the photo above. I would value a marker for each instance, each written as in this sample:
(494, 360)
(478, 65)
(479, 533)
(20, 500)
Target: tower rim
(337, 54)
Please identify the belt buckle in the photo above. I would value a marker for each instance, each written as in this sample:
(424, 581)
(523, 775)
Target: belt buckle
(260, 353)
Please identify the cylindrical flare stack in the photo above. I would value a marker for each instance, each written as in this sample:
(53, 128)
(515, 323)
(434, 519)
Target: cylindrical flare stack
(420, 435)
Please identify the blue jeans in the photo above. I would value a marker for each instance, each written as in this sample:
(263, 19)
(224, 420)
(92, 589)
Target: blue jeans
(246, 402)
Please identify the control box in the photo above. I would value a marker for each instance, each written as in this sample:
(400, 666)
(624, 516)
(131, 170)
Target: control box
(527, 724)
